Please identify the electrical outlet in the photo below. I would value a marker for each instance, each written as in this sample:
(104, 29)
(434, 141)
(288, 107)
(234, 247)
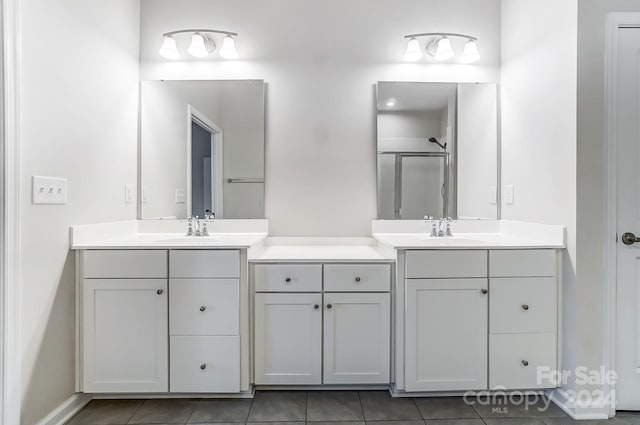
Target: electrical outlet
(508, 194)
(180, 196)
(493, 195)
(128, 193)
(48, 190)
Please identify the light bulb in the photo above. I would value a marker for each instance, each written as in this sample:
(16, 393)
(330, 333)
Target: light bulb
(414, 52)
(228, 49)
(470, 53)
(444, 50)
(200, 46)
(169, 49)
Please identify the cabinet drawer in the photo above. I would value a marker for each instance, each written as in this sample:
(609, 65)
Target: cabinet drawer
(522, 262)
(514, 360)
(203, 306)
(205, 364)
(521, 305)
(288, 277)
(357, 277)
(443, 264)
(204, 263)
(133, 264)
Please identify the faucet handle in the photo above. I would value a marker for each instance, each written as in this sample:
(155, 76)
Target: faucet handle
(205, 231)
(448, 231)
(434, 232)
(189, 227)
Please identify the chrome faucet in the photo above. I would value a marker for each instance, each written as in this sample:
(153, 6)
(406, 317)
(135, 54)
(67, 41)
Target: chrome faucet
(189, 226)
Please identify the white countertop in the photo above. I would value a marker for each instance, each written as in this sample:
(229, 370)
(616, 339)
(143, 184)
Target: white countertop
(175, 241)
(168, 234)
(334, 250)
(469, 234)
(462, 241)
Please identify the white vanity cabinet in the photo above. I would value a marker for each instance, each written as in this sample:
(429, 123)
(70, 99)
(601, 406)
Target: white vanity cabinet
(204, 315)
(523, 320)
(478, 319)
(154, 321)
(446, 320)
(322, 324)
(124, 327)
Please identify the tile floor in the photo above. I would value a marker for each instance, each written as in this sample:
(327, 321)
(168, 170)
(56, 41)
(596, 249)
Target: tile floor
(327, 408)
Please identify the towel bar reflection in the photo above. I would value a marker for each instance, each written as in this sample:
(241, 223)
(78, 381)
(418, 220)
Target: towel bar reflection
(249, 180)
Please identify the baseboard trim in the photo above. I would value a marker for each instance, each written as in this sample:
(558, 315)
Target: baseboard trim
(564, 401)
(66, 410)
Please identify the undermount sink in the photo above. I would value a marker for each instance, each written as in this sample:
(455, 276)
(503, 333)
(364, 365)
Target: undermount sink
(191, 240)
(453, 240)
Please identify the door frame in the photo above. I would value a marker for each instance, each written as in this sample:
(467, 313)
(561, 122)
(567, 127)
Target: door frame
(217, 142)
(10, 392)
(615, 21)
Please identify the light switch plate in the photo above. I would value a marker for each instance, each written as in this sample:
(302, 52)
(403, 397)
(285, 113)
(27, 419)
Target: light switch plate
(508, 194)
(48, 190)
(180, 196)
(493, 195)
(128, 193)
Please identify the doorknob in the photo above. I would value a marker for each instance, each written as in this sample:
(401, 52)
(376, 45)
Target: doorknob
(629, 238)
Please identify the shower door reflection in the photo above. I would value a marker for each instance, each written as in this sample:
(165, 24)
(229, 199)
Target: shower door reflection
(415, 184)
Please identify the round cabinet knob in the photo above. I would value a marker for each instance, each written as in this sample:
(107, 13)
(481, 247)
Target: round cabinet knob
(525, 307)
(358, 279)
(525, 363)
(203, 308)
(329, 306)
(484, 291)
(159, 292)
(316, 306)
(203, 366)
(288, 280)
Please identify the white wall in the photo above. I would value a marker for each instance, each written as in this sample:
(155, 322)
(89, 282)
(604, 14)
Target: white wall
(538, 95)
(79, 74)
(321, 61)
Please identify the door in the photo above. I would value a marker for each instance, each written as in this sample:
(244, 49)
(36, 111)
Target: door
(356, 338)
(446, 334)
(125, 333)
(628, 219)
(288, 339)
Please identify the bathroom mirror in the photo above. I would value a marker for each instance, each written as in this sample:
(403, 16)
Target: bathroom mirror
(437, 146)
(201, 149)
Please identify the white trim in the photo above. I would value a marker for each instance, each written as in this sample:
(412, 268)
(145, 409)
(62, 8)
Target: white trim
(615, 21)
(567, 403)
(217, 141)
(61, 414)
(10, 226)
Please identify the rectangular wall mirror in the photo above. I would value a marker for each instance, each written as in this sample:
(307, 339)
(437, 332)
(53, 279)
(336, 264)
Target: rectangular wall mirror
(437, 149)
(202, 149)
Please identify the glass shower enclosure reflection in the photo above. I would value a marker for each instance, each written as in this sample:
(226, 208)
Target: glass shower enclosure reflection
(418, 183)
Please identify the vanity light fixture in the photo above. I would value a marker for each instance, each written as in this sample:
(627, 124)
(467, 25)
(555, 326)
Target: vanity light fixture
(202, 44)
(439, 47)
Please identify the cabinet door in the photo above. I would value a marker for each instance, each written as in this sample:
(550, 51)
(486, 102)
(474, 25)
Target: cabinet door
(125, 333)
(446, 334)
(288, 338)
(356, 338)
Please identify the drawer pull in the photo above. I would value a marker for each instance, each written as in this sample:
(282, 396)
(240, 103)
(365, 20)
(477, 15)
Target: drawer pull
(316, 306)
(484, 291)
(159, 291)
(288, 280)
(525, 307)
(329, 306)
(525, 363)
(358, 279)
(203, 308)
(203, 366)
